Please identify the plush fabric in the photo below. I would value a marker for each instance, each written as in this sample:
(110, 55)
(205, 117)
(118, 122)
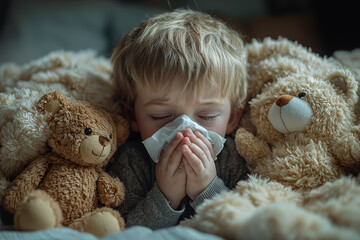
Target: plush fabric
(268, 207)
(23, 130)
(65, 186)
(305, 154)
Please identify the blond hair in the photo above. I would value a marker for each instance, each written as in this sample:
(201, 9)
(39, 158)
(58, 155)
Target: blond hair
(184, 45)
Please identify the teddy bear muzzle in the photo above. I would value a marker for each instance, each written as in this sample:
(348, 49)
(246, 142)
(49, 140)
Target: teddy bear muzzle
(290, 114)
(95, 149)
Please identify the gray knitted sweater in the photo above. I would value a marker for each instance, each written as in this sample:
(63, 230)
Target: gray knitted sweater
(145, 204)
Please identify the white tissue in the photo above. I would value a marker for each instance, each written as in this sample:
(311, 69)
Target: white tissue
(159, 140)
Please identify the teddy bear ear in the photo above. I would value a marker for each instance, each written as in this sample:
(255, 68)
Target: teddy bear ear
(51, 103)
(345, 82)
(122, 128)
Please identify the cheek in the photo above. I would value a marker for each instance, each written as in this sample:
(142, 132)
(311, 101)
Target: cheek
(143, 125)
(219, 129)
(146, 132)
(147, 128)
(219, 126)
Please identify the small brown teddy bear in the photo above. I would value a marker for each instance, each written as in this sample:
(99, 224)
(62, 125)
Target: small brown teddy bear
(79, 75)
(63, 187)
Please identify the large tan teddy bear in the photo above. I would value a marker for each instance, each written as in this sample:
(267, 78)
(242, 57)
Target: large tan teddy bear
(64, 187)
(24, 132)
(301, 110)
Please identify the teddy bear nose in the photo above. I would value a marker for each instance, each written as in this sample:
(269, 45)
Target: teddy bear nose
(283, 100)
(103, 140)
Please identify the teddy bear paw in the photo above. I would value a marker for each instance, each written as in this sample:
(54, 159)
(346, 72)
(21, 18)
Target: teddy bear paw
(251, 147)
(102, 222)
(35, 214)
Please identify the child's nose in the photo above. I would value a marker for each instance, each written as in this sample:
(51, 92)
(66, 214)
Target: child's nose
(190, 115)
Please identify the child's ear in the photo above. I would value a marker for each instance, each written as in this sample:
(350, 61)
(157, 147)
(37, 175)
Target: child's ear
(234, 120)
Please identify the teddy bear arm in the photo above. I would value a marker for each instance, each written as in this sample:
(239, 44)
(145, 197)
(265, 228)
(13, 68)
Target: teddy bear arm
(111, 190)
(347, 150)
(251, 147)
(27, 181)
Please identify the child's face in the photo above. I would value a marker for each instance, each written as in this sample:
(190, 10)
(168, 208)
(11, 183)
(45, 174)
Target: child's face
(155, 109)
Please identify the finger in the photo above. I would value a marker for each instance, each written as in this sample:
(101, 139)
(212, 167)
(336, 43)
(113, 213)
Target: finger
(198, 152)
(182, 166)
(175, 160)
(200, 143)
(195, 163)
(166, 153)
(207, 143)
(188, 169)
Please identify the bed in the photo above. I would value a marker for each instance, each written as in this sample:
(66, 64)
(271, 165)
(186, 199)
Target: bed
(89, 64)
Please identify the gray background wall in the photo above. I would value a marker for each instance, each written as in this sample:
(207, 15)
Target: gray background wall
(30, 29)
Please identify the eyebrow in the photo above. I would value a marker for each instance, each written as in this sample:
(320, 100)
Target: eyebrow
(211, 102)
(164, 102)
(157, 101)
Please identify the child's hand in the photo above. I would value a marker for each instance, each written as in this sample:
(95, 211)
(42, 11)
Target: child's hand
(199, 162)
(170, 172)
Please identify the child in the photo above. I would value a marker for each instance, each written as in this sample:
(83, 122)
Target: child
(181, 62)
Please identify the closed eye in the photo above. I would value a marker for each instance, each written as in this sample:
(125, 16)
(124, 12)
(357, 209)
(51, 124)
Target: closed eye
(158, 118)
(208, 117)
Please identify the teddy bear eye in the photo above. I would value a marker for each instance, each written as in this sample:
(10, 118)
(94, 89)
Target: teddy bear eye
(301, 95)
(110, 136)
(87, 131)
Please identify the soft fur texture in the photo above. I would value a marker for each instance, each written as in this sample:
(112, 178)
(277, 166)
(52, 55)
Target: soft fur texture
(23, 130)
(301, 190)
(64, 186)
(301, 159)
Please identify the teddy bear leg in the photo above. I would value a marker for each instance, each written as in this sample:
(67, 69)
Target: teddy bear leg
(100, 222)
(38, 211)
